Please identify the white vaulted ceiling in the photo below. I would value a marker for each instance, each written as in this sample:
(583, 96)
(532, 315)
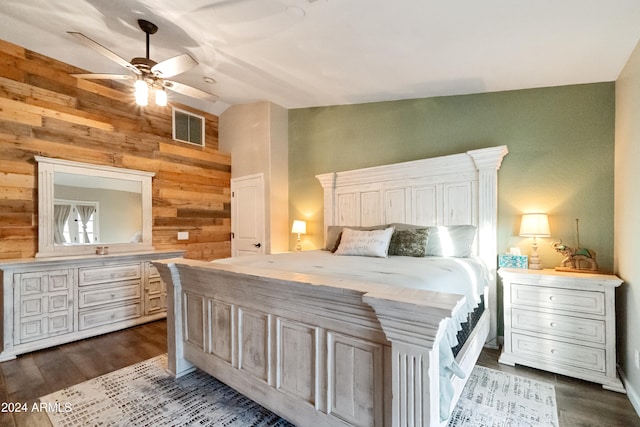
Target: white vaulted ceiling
(303, 53)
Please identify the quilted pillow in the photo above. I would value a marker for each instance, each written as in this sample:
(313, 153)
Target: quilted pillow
(373, 243)
(410, 242)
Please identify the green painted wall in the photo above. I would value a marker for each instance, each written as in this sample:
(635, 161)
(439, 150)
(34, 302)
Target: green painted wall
(561, 144)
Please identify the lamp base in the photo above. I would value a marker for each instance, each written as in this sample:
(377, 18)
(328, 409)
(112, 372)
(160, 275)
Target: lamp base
(534, 259)
(535, 264)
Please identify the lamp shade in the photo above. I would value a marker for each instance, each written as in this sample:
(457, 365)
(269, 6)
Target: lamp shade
(535, 225)
(141, 92)
(299, 227)
(161, 97)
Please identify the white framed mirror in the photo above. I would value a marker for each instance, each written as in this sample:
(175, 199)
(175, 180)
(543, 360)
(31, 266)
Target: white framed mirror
(82, 206)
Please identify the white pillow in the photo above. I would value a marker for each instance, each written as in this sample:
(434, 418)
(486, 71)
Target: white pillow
(374, 243)
(334, 232)
(452, 240)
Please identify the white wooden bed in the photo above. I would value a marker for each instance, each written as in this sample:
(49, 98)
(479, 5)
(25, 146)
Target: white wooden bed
(323, 352)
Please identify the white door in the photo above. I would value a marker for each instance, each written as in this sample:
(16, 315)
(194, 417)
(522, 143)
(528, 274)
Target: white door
(247, 215)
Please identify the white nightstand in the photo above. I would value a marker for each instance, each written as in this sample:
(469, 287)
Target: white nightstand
(561, 322)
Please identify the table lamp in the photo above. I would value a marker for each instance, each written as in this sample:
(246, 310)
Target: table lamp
(299, 227)
(534, 225)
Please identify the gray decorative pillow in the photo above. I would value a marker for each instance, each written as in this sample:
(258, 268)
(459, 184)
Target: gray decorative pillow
(451, 240)
(410, 242)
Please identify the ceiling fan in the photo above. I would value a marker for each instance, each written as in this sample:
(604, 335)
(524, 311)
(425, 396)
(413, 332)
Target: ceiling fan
(147, 73)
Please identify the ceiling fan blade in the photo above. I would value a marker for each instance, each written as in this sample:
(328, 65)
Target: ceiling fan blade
(103, 50)
(173, 66)
(189, 91)
(104, 76)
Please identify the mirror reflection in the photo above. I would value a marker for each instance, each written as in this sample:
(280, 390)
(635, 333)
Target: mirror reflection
(90, 209)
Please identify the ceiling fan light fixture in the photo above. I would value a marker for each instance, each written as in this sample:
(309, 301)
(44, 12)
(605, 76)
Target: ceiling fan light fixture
(141, 92)
(161, 97)
(149, 74)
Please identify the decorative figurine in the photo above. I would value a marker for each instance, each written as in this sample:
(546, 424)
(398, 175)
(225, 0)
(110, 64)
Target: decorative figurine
(575, 258)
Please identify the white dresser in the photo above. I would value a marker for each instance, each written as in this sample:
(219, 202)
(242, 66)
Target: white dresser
(561, 322)
(47, 302)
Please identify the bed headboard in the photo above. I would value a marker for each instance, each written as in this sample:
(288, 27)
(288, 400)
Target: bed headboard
(448, 190)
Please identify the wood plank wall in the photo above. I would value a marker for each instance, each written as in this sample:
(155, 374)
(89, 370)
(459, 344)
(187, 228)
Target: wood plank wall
(45, 111)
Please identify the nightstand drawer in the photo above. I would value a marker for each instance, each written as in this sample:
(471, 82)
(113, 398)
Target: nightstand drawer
(559, 325)
(584, 302)
(558, 353)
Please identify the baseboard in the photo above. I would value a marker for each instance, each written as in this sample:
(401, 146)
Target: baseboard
(632, 393)
(494, 344)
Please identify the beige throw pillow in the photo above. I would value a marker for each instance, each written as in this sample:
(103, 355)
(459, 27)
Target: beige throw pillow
(373, 243)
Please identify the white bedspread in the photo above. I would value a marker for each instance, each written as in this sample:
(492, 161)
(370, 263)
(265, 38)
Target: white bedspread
(463, 276)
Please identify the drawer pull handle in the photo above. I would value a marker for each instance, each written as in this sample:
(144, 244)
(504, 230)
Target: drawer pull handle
(554, 351)
(113, 315)
(552, 324)
(113, 295)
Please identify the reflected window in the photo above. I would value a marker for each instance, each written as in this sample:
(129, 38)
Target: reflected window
(81, 224)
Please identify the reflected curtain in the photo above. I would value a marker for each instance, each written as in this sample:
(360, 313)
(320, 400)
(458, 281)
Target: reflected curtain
(85, 212)
(60, 215)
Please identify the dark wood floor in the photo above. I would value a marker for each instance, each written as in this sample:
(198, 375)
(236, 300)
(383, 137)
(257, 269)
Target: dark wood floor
(33, 375)
(580, 403)
(36, 374)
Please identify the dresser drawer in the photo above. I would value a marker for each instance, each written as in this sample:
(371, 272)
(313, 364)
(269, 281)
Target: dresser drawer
(559, 325)
(104, 274)
(555, 353)
(122, 291)
(156, 304)
(155, 286)
(39, 327)
(92, 318)
(153, 271)
(44, 281)
(41, 305)
(584, 302)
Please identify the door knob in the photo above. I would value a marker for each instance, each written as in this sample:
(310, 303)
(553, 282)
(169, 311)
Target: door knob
(257, 245)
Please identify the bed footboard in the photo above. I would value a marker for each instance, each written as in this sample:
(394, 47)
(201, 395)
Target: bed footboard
(316, 353)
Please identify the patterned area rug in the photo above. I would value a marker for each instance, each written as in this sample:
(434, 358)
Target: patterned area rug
(498, 399)
(144, 394)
